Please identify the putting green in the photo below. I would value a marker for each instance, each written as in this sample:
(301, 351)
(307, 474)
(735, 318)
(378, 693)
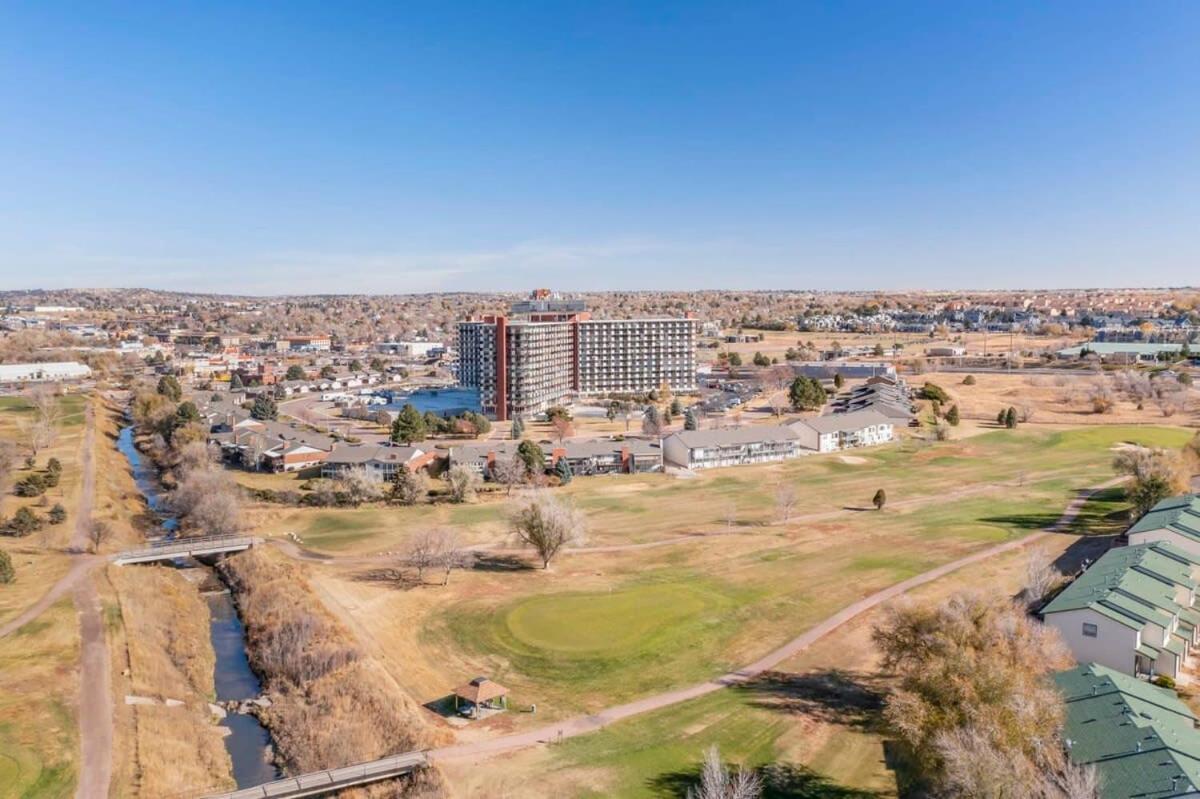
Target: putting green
(583, 624)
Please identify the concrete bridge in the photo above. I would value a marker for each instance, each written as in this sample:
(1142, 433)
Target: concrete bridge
(185, 547)
(319, 783)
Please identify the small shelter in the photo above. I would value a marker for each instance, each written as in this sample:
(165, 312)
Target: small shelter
(480, 695)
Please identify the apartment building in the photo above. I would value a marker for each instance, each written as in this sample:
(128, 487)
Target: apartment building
(1175, 520)
(710, 449)
(555, 352)
(865, 428)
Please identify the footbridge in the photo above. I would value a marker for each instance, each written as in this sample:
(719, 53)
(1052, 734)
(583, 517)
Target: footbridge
(318, 783)
(184, 548)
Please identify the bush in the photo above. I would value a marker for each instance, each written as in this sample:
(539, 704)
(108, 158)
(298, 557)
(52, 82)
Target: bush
(969, 380)
(32, 486)
(24, 522)
(7, 573)
(54, 466)
(932, 391)
(58, 514)
(1163, 681)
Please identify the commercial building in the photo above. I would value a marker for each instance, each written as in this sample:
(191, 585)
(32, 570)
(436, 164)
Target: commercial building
(1132, 610)
(554, 351)
(1141, 739)
(43, 372)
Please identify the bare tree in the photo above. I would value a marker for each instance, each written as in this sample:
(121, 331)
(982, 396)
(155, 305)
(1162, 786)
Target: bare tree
(359, 486)
(1025, 412)
(8, 462)
(785, 501)
(548, 524)
(1040, 577)
(409, 487)
(207, 502)
(731, 513)
(775, 381)
(98, 533)
(719, 782)
(562, 428)
(461, 482)
(42, 430)
(509, 472)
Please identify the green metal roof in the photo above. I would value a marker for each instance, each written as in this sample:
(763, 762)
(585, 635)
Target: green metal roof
(1141, 738)
(1131, 585)
(1146, 650)
(1178, 514)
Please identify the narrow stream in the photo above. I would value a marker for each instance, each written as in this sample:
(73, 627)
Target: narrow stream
(248, 741)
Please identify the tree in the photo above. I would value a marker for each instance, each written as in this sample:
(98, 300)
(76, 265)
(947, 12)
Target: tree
(186, 413)
(1157, 474)
(761, 360)
(206, 501)
(358, 486)
(356, 365)
(1001, 417)
(509, 472)
(98, 533)
(1010, 418)
(7, 573)
(838, 380)
(562, 428)
(976, 664)
(612, 410)
(557, 412)
(969, 380)
(952, 416)
(878, 351)
(264, 408)
(652, 423)
(518, 429)
(735, 359)
(294, 372)
(24, 522)
(547, 525)
(43, 429)
(562, 468)
(806, 394)
(437, 548)
(689, 419)
(460, 483)
(33, 485)
(328, 372)
(58, 514)
(675, 407)
(880, 499)
(718, 782)
(533, 456)
(54, 466)
(785, 501)
(408, 488)
(1040, 578)
(168, 386)
(235, 382)
(932, 391)
(409, 425)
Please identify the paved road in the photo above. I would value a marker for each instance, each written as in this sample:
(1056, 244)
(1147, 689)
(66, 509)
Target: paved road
(581, 725)
(95, 690)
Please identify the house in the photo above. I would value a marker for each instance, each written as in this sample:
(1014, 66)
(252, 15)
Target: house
(271, 446)
(863, 428)
(1132, 610)
(1175, 520)
(381, 462)
(1141, 739)
(707, 449)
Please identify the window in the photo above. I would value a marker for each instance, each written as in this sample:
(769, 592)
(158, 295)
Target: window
(1090, 630)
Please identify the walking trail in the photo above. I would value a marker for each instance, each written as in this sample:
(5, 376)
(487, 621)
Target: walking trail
(95, 693)
(581, 725)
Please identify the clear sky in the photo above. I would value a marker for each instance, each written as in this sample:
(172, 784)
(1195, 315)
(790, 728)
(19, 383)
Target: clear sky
(256, 147)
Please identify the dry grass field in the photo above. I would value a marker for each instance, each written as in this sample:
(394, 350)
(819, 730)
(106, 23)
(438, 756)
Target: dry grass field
(913, 345)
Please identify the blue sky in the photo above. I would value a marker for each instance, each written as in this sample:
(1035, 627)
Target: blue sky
(392, 147)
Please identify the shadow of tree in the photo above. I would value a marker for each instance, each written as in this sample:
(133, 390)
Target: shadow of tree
(849, 699)
(495, 562)
(779, 781)
(1025, 521)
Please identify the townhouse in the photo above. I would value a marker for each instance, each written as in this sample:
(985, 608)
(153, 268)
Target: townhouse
(380, 462)
(600, 456)
(1132, 610)
(708, 449)
(1141, 739)
(1175, 520)
(863, 428)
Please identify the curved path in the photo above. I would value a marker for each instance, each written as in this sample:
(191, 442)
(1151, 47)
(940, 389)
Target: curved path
(581, 725)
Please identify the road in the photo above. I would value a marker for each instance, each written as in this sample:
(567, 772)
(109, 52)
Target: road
(582, 725)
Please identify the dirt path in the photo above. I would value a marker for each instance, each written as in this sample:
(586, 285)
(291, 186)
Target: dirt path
(581, 725)
(95, 690)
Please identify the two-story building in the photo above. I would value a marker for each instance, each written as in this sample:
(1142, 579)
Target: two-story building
(1175, 520)
(829, 433)
(708, 449)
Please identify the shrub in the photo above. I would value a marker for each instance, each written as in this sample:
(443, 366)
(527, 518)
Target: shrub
(932, 391)
(32, 486)
(54, 466)
(7, 572)
(24, 522)
(58, 514)
(969, 380)
(1163, 681)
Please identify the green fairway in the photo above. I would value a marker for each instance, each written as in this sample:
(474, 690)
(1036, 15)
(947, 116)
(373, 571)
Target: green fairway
(612, 622)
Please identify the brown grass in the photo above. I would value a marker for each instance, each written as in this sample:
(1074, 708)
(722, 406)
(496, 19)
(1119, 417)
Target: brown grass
(332, 705)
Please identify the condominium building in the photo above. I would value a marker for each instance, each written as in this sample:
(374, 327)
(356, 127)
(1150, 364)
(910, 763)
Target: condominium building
(555, 352)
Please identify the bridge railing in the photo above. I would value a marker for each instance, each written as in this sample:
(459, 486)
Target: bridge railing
(182, 546)
(316, 782)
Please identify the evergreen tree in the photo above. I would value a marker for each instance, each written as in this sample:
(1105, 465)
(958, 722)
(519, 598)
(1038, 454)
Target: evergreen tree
(518, 429)
(689, 420)
(356, 365)
(7, 572)
(169, 387)
(409, 425)
(676, 407)
(186, 413)
(58, 514)
(235, 382)
(532, 454)
(264, 408)
(294, 372)
(806, 394)
(952, 415)
(838, 380)
(880, 499)
(1010, 418)
(1002, 417)
(563, 469)
(761, 360)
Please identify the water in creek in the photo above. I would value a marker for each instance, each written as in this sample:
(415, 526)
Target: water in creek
(248, 741)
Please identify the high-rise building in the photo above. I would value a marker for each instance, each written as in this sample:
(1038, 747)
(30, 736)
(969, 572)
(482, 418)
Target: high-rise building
(551, 351)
